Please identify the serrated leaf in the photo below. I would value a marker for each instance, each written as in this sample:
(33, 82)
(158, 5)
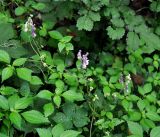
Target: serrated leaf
(115, 33)
(85, 23)
(72, 95)
(16, 119)
(133, 40)
(35, 80)
(61, 46)
(135, 129)
(45, 94)
(44, 132)
(24, 73)
(48, 109)
(57, 130)
(153, 116)
(155, 132)
(7, 73)
(4, 57)
(95, 16)
(55, 34)
(23, 103)
(35, 117)
(19, 61)
(70, 133)
(4, 103)
(57, 100)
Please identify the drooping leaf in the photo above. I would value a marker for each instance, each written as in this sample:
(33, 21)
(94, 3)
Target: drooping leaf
(7, 73)
(4, 57)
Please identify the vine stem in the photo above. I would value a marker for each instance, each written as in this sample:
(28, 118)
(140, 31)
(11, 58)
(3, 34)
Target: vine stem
(90, 130)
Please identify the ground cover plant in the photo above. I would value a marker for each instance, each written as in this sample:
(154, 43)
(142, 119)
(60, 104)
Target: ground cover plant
(79, 68)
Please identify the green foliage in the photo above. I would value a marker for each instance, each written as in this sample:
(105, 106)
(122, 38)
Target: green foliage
(109, 89)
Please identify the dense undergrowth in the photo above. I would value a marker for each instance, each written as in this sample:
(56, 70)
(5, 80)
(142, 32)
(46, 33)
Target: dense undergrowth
(79, 68)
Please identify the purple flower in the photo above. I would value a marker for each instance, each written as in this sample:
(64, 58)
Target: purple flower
(85, 61)
(83, 58)
(30, 27)
(79, 56)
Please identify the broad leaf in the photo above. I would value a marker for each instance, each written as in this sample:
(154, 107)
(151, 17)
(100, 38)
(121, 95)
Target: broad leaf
(7, 73)
(24, 73)
(35, 117)
(4, 57)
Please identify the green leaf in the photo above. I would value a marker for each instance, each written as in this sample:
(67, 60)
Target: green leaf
(24, 73)
(155, 132)
(115, 33)
(147, 88)
(4, 57)
(48, 109)
(43, 132)
(133, 40)
(4, 103)
(72, 95)
(153, 116)
(16, 119)
(35, 117)
(135, 129)
(23, 103)
(8, 33)
(39, 6)
(95, 16)
(7, 73)
(61, 46)
(57, 100)
(70, 133)
(45, 94)
(57, 130)
(19, 61)
(55, 35)
(35, 80)
(134, 116)
(20, 10)
(85, 23)
(66, 39)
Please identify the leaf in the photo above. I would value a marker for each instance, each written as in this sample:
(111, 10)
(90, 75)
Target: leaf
(66, 39)
(20, 10)
(155, 132)
(57, 100)
(23, 103)
(4, 103)
(45, 94)
(4, 57)
(147, 88)
(95, 16)
(19, 61)
(72, 95)
(16, 119)
(35, 117)
(61, 46)
(24, 73)
(7, 73)
(70, 133)
(8, 33)
(35, 80)
(153, 116)
(39, 6)
(43, 132)
(115, 33)
(55, 35)
(133, 40)
(85, 23)
(48, 109)
(57, 130)
(135, 129)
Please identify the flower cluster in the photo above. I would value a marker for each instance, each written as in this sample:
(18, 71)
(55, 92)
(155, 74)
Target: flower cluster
(30, 26)
(125, 81)
(83, 58)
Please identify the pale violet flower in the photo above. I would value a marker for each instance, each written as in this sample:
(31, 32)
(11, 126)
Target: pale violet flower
(30, 27)
(84, 59)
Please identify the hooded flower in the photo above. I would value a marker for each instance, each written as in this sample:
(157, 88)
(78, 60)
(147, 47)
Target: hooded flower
(84, 59)
(30, 27)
